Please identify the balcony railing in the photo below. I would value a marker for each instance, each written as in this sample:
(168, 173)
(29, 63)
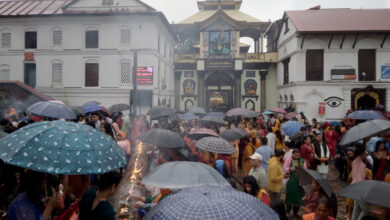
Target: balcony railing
(247, 57)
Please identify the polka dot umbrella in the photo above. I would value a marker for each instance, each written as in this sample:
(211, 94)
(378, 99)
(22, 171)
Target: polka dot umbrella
(59, 147)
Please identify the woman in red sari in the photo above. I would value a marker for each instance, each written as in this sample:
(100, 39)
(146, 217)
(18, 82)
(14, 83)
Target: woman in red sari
(381, 158)
(307, 153)
(331, 141)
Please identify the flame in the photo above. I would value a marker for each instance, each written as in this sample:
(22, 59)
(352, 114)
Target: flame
(136, 173)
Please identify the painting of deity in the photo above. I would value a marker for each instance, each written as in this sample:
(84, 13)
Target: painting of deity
(250, 87)
(219, 43)
(189, 87)
(251, 74)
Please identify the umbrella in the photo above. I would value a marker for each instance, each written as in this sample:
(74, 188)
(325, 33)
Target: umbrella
(268, 113)
(91, 103)
(216, 114)
(201, 133)
(159, 111)
(184, 174)
(290, 115)
(211, 120)
(238, 112)
(365, 115)
(290, 128)
(60, 147)
(189, 116)
(211, 203)
(78, 110)
(233, 134)
(119, 108)
(92, 108)
(2, 134)
(278, 110)
(216, 145)
(369, 191)
(364, 130)
(197, 110)
(52, 109)
(251, 114)
(162, 138)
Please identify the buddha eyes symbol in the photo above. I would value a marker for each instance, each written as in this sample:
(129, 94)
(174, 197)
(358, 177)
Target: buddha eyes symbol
(334, 101)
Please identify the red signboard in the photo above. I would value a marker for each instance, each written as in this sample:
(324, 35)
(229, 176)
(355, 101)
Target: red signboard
(145, 75)
(29, 56)
(322, 108)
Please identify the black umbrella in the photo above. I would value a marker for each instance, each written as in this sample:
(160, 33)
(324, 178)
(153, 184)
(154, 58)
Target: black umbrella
(369, 191)
(162, 138)
(306, 176)
(364, 130)
(119, 108)
(52, 109)
(202, 133)
(233, 134)
(197, 110)
(159, 112)
(211, 120)
(78, 110)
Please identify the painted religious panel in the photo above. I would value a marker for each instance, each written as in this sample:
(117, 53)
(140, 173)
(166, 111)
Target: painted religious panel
(189, 74)
(205, 44)
(189, 87)
(250, 74)
(220, 25)
(250, 87)
(233, 43)
(219, 43)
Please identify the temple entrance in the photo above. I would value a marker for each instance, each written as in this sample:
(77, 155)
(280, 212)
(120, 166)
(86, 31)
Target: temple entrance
(367, 98)
(219, 92)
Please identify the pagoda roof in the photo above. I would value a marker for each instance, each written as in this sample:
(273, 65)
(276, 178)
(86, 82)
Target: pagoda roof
(203, 15)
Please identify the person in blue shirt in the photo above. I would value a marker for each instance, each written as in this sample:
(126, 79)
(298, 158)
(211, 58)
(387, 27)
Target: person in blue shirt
(266, 152)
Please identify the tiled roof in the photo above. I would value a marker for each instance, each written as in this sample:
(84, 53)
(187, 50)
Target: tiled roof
(204, 15)
(341, 20)
(32, 7)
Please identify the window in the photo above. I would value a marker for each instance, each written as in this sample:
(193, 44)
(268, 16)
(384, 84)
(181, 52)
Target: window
(56, 72)
(92, 39)
(91, 75)
(4, 72)
(125, 36)
(57, 37)
(314, 65)
(5, 40)
(30, 40)
(30, 74)
(367, 68)
(286, 71)
(125, 73)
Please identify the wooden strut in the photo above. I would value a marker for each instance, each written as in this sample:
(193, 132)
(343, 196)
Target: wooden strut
(303, 40)
(342, 42)
(330, 40)
(355, 41)
(384, 40)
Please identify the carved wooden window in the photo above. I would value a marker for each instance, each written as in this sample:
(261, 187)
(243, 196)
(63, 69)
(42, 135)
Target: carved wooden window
(56, 73)
(314, 65)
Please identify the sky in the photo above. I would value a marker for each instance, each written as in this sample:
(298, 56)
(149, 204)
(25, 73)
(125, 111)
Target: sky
(264, 10)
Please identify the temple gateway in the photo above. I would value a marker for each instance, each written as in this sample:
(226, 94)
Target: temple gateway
(214, 68)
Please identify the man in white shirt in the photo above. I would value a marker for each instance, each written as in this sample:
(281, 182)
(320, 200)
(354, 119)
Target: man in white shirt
(257, 171)
(271, 139)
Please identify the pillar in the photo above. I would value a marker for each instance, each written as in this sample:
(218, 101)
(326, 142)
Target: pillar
(177, 89)
(201, 89)
(237, 89)
(263, 89)
(261, 45)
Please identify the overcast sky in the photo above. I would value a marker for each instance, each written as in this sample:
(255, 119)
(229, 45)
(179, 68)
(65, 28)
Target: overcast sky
(177, 10)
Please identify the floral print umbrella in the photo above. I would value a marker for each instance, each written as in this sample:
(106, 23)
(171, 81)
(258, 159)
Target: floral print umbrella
(59, 147)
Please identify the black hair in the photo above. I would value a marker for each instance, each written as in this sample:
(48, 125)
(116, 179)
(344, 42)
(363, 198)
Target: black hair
(303, 129)
(92, 124)
(108, 129)
(264, 141)
(108, 179)
(269, 129)
(278, 134)
(377, 145)
(359, 151)
(251, 181)
(296, 150)
(279, 153)
(4, 122)
(324, 201)
(95, 113)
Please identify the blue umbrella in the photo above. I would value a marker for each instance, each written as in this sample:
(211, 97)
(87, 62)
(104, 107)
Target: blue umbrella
(91, 103)
(52, 109)
(188, 116)
(92, 108)
(290, 128)
(267, 113)
(365, 115)
(211, 202)
(60, 147)
(216, 114)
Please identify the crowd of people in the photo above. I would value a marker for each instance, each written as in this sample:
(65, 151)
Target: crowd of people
(265, 162)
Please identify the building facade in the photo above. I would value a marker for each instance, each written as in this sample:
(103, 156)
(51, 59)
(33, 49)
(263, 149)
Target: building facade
(82, 50)
(333, 58)
(214, 69)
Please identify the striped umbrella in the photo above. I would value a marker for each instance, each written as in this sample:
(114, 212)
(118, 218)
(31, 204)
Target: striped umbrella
(216, 145)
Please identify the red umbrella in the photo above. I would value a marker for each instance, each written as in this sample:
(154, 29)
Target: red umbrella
(201, 133)
(278, 110)
(290, 115)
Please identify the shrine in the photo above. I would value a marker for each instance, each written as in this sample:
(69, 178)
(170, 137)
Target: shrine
(214, 68)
